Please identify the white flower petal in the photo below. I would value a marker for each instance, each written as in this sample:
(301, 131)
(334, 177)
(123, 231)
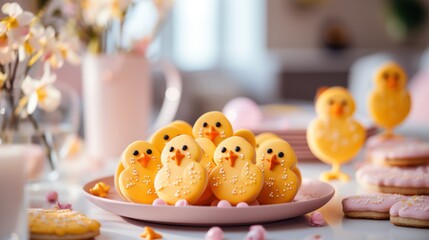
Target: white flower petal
(29, 85)
(33, 100)
(12, 9)
(25, 18)
(52, 99)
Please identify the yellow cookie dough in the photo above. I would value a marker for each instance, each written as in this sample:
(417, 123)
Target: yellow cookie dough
(182, 176)
(214, 126)
(163, 136)
(183, 126)
(262, 137)
(235, 178)
(278, 161)
(390, 102)
(208, 148)
(246, 134)
(334, 136)
(140, 162)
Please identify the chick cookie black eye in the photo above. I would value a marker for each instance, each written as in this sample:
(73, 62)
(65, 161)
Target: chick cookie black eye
(386, 75)
(171, 149)
(223, 149)
(331, 102)
(218, 124)
(184, 148)
(135, 153)
(205, 124)
(281, 154)
(269, 150)
(396, 76)
(344, 103)
(237, 149)
(149, 151)
(166, 137)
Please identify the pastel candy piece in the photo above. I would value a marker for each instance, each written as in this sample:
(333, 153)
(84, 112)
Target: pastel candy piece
(52, 196)
(161, 137)
(183, 126)
(235, 178)
(223, 204)
(182, 176)
(260, 138)
(409, 180)
(276, 159)
(214, 126)
(380, 202)
(208, 149)
(181, 203)
(260, 229)
(214, 233)
(140, 162)
(63, 206)
(317, 220)
(246, 134)
(242, 205)
(159, 202)
(100, 189)
(389, 102)
(334, 136)
(415, 207)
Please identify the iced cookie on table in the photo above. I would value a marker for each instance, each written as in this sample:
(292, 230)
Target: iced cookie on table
(214, 126)
(400, 180)
(235, 178)
(276, 159)
(161, 137)
(411, 213)
(372, 206)
(182, 176)
(401, 152)
(55, 224)
(140, 163)
(183, 126)
(262, 137)
(389, 102)
(246, 134)
(334, 136)
(208, 149)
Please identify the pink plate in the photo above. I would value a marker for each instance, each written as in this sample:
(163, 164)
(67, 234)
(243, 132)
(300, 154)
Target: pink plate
(312, 195)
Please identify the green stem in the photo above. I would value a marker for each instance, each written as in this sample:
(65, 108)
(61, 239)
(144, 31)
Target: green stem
(44, 139)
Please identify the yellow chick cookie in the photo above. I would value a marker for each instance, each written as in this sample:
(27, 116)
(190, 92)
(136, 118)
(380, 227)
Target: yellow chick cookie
(390, 102)
(262, 137)
(182, 176)
(208, 148)
(161, 137)
(334, 136)
(141, 161)
(214, 126)
(235, 178)
(183, 126)
(246, 134)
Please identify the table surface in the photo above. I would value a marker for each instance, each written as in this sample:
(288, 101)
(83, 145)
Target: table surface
(74, 173)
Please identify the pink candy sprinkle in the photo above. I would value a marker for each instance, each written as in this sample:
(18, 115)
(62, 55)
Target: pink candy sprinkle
(64, 206)
(52, 196)
(257, 232)
(316, 220)
(242, 205)
(159, 202)
(181, 203)
(215, 233)
(224, 204)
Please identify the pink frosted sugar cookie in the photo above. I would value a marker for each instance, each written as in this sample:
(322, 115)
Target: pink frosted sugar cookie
(397, 151)
(406, 181)
(414, 212)
(373, 206)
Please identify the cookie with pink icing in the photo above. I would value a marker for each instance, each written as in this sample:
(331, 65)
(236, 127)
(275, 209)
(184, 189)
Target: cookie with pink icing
(372, 206)
(397, 151)
(404, 180)
(414, 212)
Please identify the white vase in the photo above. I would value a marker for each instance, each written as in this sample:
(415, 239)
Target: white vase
(117, 93)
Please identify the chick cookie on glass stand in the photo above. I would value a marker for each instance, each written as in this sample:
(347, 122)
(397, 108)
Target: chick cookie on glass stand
(334, 136)
(182, 177)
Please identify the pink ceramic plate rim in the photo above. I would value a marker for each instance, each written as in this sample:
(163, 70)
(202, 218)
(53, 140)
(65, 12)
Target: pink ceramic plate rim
(308, 201)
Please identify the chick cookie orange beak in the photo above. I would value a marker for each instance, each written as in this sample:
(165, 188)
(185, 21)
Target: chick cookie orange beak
(231, 157)
(392, 83)
(144, 160)
(178, 156)
(273, 162)
(212, 133)
(337, 110)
